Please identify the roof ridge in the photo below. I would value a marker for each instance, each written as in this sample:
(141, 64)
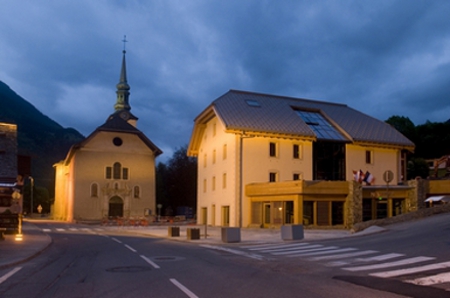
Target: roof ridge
(288, 97)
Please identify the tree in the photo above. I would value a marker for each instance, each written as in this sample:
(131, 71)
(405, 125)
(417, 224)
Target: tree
(404, 125)
(418, 167)
(177, 181)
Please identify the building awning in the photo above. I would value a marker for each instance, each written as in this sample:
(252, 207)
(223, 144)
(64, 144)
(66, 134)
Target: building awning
(438, 199)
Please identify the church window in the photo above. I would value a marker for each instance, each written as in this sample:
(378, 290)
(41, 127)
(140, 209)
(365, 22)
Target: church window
(94, 190)
(108, 172)
(116, 170)
(117, 141)
(137, 192)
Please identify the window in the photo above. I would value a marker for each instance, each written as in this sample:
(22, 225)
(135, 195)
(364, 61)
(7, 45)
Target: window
(108, 173)
(297, 151)
(204, 160)
(225, 216)
(273, 176)
(224, 151)
(252, 103)
(204, 185)
(272, 149)
(297, 176)
(137, 192)
(369, 157)
(213, 183)
(321, 127)
(94, 190)
(116, 172)
(214, 156)
(224, 180)
(214, 130)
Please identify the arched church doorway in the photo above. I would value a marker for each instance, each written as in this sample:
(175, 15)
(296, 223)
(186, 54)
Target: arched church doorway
(115, 207)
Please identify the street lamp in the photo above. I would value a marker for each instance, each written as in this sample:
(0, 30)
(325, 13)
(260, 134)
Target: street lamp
(16, 198)
(31, 194)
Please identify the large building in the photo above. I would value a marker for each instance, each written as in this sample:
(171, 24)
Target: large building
(243, 138)
(111, 173)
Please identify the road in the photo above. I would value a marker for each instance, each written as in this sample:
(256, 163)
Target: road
(85, 261)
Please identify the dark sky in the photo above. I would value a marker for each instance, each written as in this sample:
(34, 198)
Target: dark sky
(383, 58)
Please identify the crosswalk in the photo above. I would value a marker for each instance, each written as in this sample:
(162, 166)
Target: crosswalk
(69, 230)
(418, 270)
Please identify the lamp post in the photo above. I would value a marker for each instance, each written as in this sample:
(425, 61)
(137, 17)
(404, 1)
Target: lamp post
(16, 197)
(31, 194)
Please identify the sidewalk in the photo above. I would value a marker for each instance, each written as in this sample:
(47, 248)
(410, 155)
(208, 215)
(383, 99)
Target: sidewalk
(35, 241)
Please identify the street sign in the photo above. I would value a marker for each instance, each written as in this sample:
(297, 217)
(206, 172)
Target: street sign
(388, 176)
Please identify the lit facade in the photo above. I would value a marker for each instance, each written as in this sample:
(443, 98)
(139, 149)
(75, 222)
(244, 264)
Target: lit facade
(244, 138)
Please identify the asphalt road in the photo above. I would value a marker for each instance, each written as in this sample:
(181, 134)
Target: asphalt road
(88, 263)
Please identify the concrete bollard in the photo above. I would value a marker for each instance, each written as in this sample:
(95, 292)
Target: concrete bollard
(292, 232)
(230, 235)
(174, 231)
(193, 234)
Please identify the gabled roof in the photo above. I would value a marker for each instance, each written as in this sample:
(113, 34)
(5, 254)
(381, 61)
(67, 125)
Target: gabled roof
(274, 115)
(114, 123)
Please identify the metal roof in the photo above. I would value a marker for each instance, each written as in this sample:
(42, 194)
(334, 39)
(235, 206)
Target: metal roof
(277, 115)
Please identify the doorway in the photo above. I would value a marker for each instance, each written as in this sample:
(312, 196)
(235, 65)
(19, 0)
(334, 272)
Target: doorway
(266, 215)
(115, 207)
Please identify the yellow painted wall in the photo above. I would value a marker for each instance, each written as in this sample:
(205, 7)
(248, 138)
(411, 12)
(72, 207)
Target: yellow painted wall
(88, 165)
(383, 159)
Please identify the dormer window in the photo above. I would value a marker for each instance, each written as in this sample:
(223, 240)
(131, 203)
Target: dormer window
(253, 103)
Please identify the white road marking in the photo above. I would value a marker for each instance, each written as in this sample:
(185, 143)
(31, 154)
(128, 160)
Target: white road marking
(380, 258)
(431, 280)
(117, 240)
(412, 270)
(60, 230)
(130, 248)
(390, 264)
(233, 251)
(305, 249)
(345, 256)
(73, 229)
(9, 274)
(183, 288)
(150, 262)
(297, 247)
(272, 246)
(323, 252)
(46, 230)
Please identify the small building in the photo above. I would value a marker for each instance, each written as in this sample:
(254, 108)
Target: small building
(244, 138)
(111, 173)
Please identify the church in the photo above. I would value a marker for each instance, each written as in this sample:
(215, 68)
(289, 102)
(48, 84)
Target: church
(111, 173)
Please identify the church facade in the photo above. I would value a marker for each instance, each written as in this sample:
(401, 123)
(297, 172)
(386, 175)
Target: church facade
(111, 173)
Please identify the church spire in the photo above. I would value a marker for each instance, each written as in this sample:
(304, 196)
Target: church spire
(123, 88)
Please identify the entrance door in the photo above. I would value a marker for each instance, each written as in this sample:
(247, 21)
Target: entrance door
(115, 207)
(266, 215)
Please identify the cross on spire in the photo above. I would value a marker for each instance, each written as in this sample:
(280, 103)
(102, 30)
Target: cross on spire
(124, 42)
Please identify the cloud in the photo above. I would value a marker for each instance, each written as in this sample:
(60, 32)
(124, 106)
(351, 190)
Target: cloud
(383, 58)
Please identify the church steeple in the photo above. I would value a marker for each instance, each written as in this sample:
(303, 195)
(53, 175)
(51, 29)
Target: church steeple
(123, 88)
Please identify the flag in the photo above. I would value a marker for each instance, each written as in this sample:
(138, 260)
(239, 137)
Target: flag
(369, 178)
(361, 176)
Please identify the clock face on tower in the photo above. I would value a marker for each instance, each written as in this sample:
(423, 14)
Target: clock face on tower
(124, 115)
